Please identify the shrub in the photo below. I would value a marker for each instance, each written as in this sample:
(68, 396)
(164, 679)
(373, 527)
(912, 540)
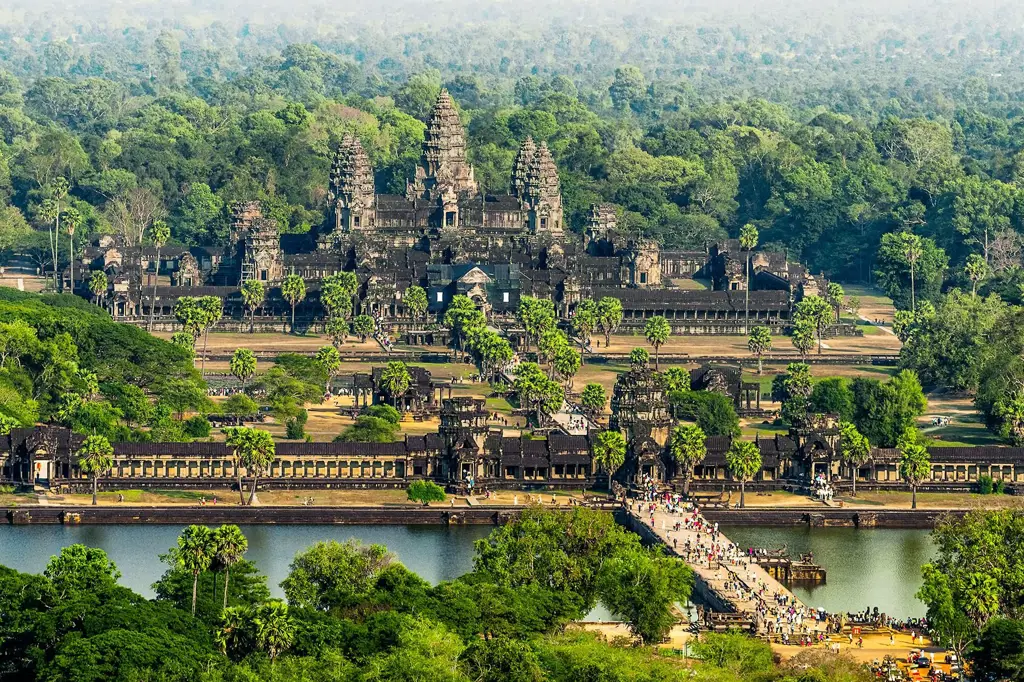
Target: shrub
(426, 492)
(985, 485)
(999, 487)
(196, 427)
(294, 429)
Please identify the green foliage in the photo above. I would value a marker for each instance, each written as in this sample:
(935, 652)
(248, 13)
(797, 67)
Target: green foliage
(197, 426)
(999, 652)
(642, 588)
(594, 398)
(832, 395)
(656, 331)
(369, 429)
(794, 389)
(713, 412)
(426, 492)
(639, 357)
(333, 575)
(883, 411)
(609, 450)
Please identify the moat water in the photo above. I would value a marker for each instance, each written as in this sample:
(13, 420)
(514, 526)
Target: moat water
(866, 567)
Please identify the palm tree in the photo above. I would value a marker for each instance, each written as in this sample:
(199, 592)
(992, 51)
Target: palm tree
(328, 359)
(584, 323)
(253, 449)
(50, 211)
(231, 544)
(912, 249)
(748, 242)
(759, 343)
(72, 219)
(211, 309)
(293, 289)
(95, 458)
(233, 634)
(744, 461)
(195, 554)
(915, 462)
(98, 283)
(689, 448)
(656, 331)
(395, 380)
(415, 299)
(609, 317)
(273, 628)
(160, 235)
(253, 296)
(854, 449)
(609, 448)
(243, 365)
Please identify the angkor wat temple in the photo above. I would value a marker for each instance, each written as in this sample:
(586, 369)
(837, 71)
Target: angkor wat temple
(449, 237)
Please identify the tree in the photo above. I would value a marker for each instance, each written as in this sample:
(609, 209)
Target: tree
(211, 309)
(609, 451)
(802, 336)
(854, 450)
(643, 587)
(628, 88)
(243, 365)
(818, 312)
(534, 389)
(160, 235)
(688, 447)
(883, 412)
(609, 317)
(363, 326)
(335, 575)
(744, 461)
(639, 357)
(395, 380)
(328, 359)
(908, 263)
(759, 343)
(195, 552)
(80, 570)
(336, 292)
(337, 330)
(415, 299)
(230, 546)
(293, 289)
(98, 284)
(252, 449)
(132, 213)
(835, 295)
(72, 219)
(748, 242)
(584, 323)
(793, 389)
(594, 399)
(566, 363)
(976, 270)
(254, 293)
(95, 458)
(915, 463)
(425, 492)
(713, 412)
(51, 211)
(656, 331)
(274, 630)
(999, 652)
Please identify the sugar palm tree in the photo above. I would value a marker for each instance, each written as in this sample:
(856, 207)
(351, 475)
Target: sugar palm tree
(415, 299)
(759, 343)
(656, 331)
(254, 450)
(915, 462)
(273, 628)
(912, 248)
(95, 458)
(854, 449)
(688, 447)
(328, 359)
(231, 545)
(395, 380)
(194, 554)
(748, 242)
(243, 365)
(160, 234)
(253, 296)
(98, 283)
(744, 461)
(293, 289)
(211, 309)
(609, 449)
(72, 219)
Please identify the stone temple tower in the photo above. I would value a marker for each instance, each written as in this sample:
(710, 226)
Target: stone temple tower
(351, 187)
(542, 194)
(443, 167)
(521, 167)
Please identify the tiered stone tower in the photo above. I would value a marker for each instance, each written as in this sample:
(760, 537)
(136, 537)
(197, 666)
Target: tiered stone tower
(351, 186)
(443, 167)
(521, 167)
(542, 193)
(261, 244)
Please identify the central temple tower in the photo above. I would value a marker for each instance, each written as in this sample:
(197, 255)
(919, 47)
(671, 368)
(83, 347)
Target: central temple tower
(443, 172)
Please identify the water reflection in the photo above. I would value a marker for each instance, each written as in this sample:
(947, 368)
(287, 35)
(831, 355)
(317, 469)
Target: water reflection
(866, 567)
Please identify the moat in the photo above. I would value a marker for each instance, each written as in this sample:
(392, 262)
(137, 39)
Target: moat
(866, 567)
